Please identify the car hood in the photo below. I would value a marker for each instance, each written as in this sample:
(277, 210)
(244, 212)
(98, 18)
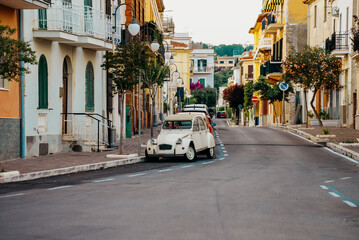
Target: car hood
(171, 138)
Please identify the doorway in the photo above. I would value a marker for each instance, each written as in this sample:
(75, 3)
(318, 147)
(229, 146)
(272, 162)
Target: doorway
(66, 93)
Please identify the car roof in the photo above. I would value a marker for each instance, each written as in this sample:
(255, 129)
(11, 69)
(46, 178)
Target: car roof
(195, 110)
(196, 106)
(194, 113)
(180, 117)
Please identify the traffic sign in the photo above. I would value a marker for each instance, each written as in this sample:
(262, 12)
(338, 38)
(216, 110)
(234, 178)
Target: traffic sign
(254, 99)
(283, 86)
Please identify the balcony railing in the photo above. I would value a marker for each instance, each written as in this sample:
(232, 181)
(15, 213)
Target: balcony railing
(77, 20)
(272, 18)
(338, 41)
(271, 67)
(201, 70)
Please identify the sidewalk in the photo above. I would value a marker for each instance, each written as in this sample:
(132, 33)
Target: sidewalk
(71, 162)
(340, 139)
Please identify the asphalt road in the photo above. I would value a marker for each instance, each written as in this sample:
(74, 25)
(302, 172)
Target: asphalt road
(268, 184)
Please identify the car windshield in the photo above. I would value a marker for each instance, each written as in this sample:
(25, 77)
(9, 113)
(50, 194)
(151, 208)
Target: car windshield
(177, 124)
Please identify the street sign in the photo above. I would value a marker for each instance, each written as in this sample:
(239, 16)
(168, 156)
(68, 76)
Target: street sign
(254, 99)
(283, 86)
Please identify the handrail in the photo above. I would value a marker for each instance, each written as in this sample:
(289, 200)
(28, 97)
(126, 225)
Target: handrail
(91, 115)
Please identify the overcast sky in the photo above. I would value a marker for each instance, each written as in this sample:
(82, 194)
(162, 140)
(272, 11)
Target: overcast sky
(215, 21)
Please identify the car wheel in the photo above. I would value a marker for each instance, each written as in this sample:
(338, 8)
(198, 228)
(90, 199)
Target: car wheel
(210, 153)
(150, 159)
(190, 154)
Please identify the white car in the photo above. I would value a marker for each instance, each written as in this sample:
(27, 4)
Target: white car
(182, 135)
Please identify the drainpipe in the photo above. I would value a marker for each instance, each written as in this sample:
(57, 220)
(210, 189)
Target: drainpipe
(22, 102)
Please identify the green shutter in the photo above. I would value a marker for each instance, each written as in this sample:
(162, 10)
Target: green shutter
(190, 80)
(202, 81)
(89, 95)
(43, 83)
(42, 19)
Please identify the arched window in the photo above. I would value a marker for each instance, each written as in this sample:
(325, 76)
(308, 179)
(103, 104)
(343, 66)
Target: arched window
(89, 97)
(43, 83)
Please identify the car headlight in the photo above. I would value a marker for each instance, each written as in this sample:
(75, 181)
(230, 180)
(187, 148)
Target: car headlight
(153, 141)
(179, 141)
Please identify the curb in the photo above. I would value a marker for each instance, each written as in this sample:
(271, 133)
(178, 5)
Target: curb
(333, 146)
(68, 170)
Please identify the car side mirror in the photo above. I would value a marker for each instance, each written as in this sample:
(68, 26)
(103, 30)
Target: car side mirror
(213, 124)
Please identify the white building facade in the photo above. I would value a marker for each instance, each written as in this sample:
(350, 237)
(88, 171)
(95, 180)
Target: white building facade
(65, 94)
(203, 67)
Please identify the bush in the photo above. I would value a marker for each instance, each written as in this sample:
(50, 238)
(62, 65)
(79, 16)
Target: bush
(323, 114)
(325, 131)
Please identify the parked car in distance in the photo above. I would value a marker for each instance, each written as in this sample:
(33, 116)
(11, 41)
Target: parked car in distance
(194, 108)
(209, 124)
(182, 135)
(221, 114)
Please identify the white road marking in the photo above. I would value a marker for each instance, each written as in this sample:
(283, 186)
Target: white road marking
(348, 158)
(323, 187)
(187, 166)
(334, 194)
(225, 151)
(55, 188)
(329, 181)
(226, 155)
(135, 175)
(221, 144)
(104, 180)
(350, 203)
(344, 178)
(12, 195)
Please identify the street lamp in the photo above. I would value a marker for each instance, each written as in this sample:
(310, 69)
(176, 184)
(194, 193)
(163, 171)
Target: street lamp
(133, 28)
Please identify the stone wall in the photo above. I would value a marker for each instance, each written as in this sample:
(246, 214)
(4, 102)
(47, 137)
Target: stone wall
(9, 138)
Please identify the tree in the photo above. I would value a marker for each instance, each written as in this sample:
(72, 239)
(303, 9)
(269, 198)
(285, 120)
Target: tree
(205, 95)
(271, 92)
(355, 34)
(12, 52)
(313, 69)
(153, 75)
(235, 96)
(221, 78)
(248, 94)
(124, 66)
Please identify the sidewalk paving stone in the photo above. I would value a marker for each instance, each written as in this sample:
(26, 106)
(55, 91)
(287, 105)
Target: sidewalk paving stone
(72, 159)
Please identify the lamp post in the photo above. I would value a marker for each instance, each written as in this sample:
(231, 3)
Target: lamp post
(133, 29)
(154, 47)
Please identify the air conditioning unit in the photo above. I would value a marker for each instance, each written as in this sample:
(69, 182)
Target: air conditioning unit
(335, 11)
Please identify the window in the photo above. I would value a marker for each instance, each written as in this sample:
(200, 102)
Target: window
(2, 83)
(43, 82)
(89, 95)
(250, 71)
(195, 125)
(190, 80)
(231, 62)
(221, 62)
(201, 124)
(88, 17)
(202, 81)
(42, 19)
(315, 16)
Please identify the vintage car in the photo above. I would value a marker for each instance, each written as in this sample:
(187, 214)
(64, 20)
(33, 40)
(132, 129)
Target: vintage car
(182, 135)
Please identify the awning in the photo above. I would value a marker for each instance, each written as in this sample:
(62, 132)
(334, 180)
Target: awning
(276, 2)
(270, 5)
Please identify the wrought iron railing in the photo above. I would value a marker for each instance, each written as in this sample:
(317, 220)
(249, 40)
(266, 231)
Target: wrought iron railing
(270, 67)
(91, 127)
(76, 19)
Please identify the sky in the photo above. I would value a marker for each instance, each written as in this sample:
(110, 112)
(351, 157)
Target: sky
(215, 21)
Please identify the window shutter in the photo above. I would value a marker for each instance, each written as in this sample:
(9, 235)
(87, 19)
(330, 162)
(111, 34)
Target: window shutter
(89, 94)
(42, 19)
(43, 83)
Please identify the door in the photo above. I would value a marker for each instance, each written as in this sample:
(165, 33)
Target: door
(196, 134)
(203, 133)
(128, 122)
(64, 98)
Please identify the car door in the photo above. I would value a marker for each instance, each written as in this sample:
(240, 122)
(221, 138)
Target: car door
(203, 133)
(196, 136)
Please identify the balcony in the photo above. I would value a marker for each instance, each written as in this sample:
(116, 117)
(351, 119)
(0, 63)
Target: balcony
(273, 22)
(76, 25)
(26, 4)
(168, 25)
(338, 44)
(265, 44)
(271, 69)
(202, 70)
